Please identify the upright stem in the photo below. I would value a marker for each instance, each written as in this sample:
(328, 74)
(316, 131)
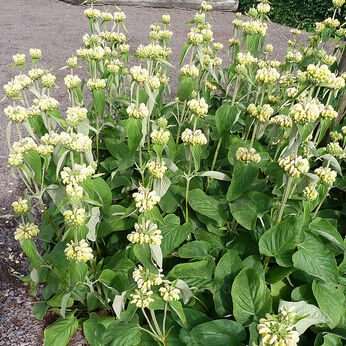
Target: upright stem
(152, 313)
(214, 161)
(284, 199)
(254, 134)
(320, 204)
(187, 190)
(48, 217)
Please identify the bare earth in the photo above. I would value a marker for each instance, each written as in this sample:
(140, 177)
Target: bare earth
(57, 29)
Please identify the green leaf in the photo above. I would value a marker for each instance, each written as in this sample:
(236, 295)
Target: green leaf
(117, 148)
(315, 259)
(331, 340)
(226, 270)
(330, 300)
(224, 118)
(134, 133)
(219, 333)
(198, 274)
(196, 154)
(94, 328)
(325, 229)
(216, 175)
(277, 273)
(194, 249)
(40, 309)
(57, 301)
(178, 309)
(143, 254)
(185, 87)
(100, 101)
(250, 296)
(313, 314)
(244, 175)
(33, 159)
(124, 334)
(61, 331)
(103, 191)
(281, 240)
(93, 221)
(207, 205)
(30, 250)
(173, 233)
(247, 208)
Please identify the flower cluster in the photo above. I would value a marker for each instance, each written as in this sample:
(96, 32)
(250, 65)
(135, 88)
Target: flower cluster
(76, 115)
(139, 74)
(145, 279)
(294, 165)
(329, 113)
(246, 59)
(310, 192)
(141, 299)
(327, 175)
(20, 206)
(24, 145)
(94, 84)
(46, 103)
(137, 112)
(78, 175)
(335, 136)
(190, 70)
(193, 137)
(306, 111)
(15, 159)
(281, 120)
(16, 113)
(74, 218)
(159, 136)
(255, 27)
(278, 330)
(198, 107)
(262, 113)
(169, 293)
(267, 75)
(79, 251)
(72, 81)
(145, 199)
(26, 231)
(149, 234)
(247, 155)
(156, 168)
(335, 149)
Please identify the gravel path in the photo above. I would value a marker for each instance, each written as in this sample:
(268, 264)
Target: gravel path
(57, 28)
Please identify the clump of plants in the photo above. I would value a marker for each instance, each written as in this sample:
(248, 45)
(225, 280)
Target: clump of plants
(207, 217)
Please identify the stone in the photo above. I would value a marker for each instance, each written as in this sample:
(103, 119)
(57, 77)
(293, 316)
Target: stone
(224, 5)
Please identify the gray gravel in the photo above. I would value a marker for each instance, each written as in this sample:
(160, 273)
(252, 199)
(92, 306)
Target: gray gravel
(57, 28)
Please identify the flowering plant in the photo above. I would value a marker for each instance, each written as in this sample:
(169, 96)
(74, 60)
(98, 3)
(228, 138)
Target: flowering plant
(186, 220)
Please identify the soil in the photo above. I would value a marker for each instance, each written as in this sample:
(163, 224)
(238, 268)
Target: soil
(57, 29)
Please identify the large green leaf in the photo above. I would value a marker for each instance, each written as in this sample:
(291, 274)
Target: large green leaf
(219, 333)
(95, 327)
(123, 334)
(33, 159)
(247, 208)
(281, 240)
(173, 233)
(196, 274)
(100, 101)
(224, 118)
(250, 296)
(61, 331)
(313, 315)
(330, 300)
(325, 229)
(103, 191)
(243, 176)
(186, 86)
(315, 259)
(227, 269)
(207, 205)
(117, 148)
(133, 133)
(194, 249)
(29, 248)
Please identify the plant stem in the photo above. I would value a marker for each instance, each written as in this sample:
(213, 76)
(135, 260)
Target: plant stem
(187, 189)
(48, 217)
(148, 321)
(152, 313)
(254, 134)
(235, 90)
(284, 200)
(164, 319)
(320, 204)
(214, 161)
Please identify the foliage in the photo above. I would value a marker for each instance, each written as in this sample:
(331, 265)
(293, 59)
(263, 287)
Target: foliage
(302, 14)
(212, 218)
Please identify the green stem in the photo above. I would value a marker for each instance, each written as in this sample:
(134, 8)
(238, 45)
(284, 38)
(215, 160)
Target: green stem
(149, 323)
(97, 136)
(284, 200)
(153, 316)
(214, 161)
(187, 189)
(320, 204)
(254, 134)
(48, 217)
(235, 90)
(164, 320)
